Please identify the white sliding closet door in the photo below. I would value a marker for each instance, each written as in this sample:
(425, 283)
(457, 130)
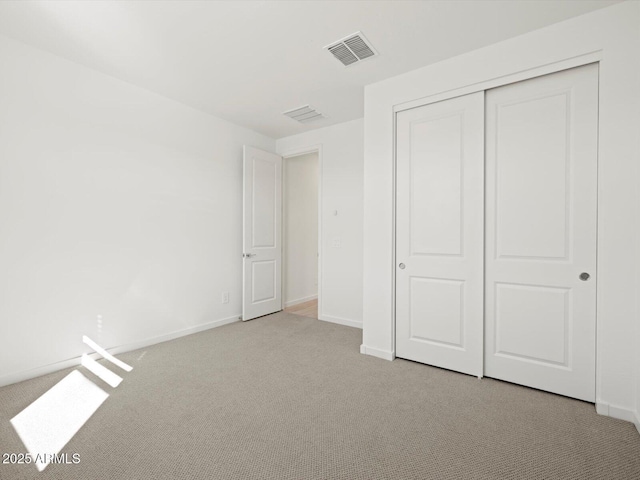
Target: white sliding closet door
(541, 185)
(439, 243)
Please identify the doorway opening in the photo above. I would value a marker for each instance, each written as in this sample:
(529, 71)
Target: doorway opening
(301, 233)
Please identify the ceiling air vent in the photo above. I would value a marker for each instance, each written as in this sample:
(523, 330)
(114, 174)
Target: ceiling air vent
(352, 49)
(304, 114)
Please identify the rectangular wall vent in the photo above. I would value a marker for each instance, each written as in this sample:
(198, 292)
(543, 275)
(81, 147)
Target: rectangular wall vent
(304, 114)
(352, 49)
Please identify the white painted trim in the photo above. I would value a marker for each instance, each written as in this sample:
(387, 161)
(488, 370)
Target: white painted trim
(394, 226)
(74, 362)
(340, 321)
(295, 152)
(375, 352)
(613, 411)
(621, 413)
(298, 301)
(602, 408)
(565, 64)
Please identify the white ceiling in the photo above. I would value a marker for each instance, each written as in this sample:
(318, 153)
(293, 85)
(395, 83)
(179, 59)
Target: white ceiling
(249, 61)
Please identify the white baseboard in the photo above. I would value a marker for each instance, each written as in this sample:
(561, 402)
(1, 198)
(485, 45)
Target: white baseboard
(376, 352)
(602, 408)
(340, 321)
(74, 362)
(613, 411)
(173, 335)
(298, 301)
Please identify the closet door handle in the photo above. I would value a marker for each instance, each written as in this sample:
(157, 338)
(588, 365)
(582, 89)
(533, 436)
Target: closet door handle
(402, 266)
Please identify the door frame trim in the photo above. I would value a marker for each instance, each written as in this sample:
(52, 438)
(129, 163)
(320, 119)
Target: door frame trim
(554, 67)
(566, 64)
(296, 152)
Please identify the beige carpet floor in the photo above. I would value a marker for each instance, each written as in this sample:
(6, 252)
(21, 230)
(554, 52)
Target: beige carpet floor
(288, 397)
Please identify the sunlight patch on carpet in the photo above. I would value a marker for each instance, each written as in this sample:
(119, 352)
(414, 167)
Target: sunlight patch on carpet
(48, 424)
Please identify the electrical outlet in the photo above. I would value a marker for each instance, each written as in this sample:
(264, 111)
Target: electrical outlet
(225, 297)
(336, 243)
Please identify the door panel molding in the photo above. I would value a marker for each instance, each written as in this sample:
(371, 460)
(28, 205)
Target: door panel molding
(262, 233)
(541, 171)
(439, 235)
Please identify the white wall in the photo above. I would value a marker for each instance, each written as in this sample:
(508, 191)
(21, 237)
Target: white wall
(300, 205)
(341, 169)
(115, 203)
(613, 32)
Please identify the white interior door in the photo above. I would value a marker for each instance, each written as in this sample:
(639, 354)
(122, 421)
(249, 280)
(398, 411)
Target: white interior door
(541, 232)
(439, 236)
(262, 231)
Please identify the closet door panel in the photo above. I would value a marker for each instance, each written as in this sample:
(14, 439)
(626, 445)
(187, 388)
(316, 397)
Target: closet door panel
(439, 242)
(541, 170)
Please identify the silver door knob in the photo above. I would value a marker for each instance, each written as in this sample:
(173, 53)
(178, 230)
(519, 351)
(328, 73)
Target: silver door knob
(248, 255)
(402, 266)
(584, 276)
